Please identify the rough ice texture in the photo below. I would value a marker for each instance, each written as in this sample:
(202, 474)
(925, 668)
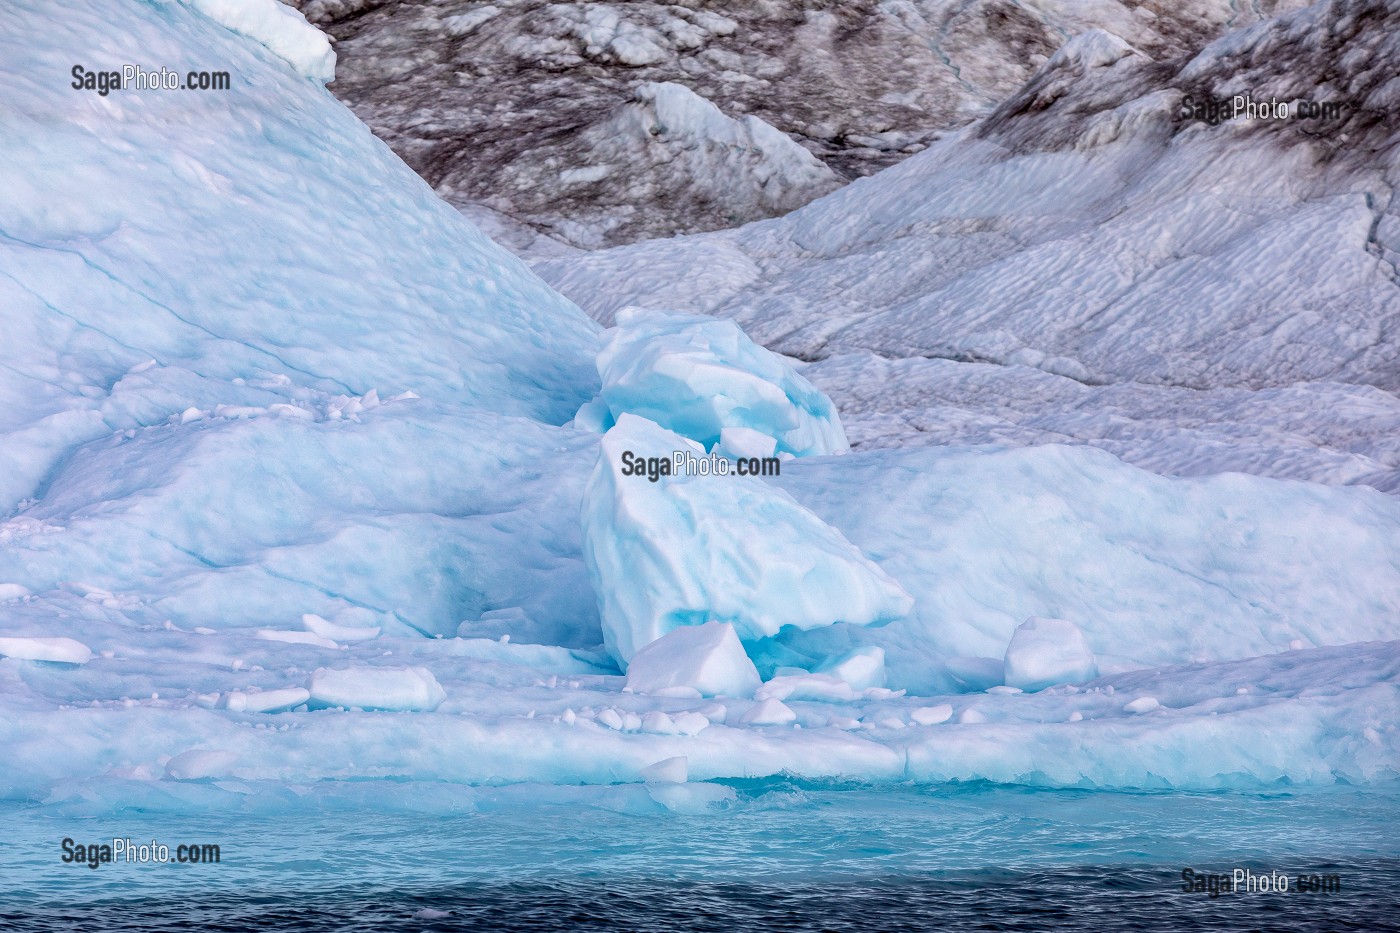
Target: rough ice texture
(1322, 432)
(1088, 229)
(206, 435)
(279, 27)
(311, 266)
(1154, 570)
(1207, 736)
(700, 377)
(209, 403)
(507, 102)
(691, 549)
(707, 658)
(667, 145)
(1045, 652)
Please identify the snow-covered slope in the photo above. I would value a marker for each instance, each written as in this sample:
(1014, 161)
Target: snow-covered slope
(465, 90)
(206, 295)
(1090, 229)
(1322, 432)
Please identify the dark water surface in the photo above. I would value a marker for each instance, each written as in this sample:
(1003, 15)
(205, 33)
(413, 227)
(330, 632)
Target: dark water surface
(779, 855)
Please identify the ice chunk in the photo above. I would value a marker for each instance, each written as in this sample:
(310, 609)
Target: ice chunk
(199, 763)
(769, 712)
(658, 723)
(690, 798)
(932, 715)
(265, 701)
(431, 913)
(1044, 652)
(410, 688)
(281, 28)
(9, 591)
(699, 376)
(820, 687)
(1142, 705)
(862, 668)
(67, 650)
(707, 658)
(336, 632)
(296, 638)
(691, 723)
(690, 549)
(746, 442)
(668, 771)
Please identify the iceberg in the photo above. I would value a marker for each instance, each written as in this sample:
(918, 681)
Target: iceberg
(277, 425)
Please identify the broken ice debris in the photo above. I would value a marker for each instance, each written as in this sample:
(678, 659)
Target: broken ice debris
(1045, 652)
(707, 658)
(702, 377)
(690, 549)
(376, 688)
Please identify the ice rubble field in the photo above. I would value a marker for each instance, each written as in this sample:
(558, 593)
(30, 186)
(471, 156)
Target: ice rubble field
(294, 493)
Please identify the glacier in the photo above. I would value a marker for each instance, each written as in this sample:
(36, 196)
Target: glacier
(294, 496)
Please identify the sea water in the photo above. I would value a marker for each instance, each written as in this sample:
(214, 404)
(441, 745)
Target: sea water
(771, 854)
